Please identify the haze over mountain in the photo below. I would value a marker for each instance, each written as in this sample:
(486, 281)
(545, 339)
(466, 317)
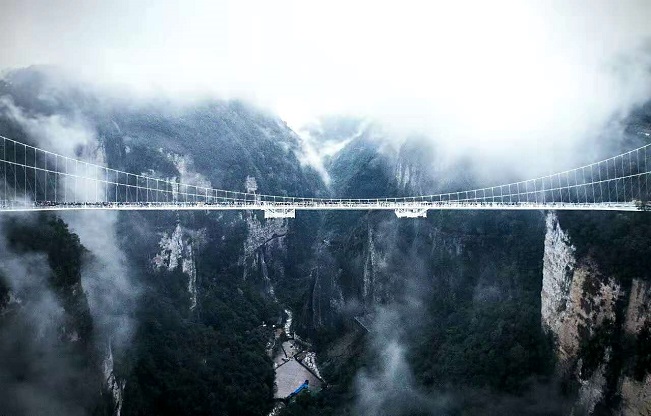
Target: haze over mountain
(520, 79)
(211, 312)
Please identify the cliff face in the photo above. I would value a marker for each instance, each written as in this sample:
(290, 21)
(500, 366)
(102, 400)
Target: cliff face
(265, 253)
(377, 283)
(576, 299)
(558, 267)
(636, 393)
(177, 250)
(582, 309)
(636, 397)
(326, 300)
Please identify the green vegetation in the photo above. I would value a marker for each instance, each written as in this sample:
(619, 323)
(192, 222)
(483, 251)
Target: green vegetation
(42, 347)
(480, 322)
(50, 235)
(620, 243)
(593, 349)
(210, 360)
(215, 365)
(643, 353)
(308, 404)
(483, 328)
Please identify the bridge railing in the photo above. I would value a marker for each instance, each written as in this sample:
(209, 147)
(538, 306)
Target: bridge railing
(33, 176)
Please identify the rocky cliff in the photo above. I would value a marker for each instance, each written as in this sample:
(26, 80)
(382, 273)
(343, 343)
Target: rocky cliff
(592, 317)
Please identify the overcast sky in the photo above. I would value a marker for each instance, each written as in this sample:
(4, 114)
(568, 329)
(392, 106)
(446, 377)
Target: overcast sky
(504, 71)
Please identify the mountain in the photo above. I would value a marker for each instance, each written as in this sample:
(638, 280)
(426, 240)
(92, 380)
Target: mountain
(186, 332)
(495, 304)
(172, 312)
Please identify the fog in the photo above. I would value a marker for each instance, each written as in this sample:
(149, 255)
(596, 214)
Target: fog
(390, 388)
(526, 82)
(39, 373)
(387, 386)
(106, 278)
(518, 79)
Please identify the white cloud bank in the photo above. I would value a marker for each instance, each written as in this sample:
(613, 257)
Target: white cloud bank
(496, 75)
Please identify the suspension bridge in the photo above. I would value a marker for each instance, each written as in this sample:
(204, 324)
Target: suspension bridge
(35, 179)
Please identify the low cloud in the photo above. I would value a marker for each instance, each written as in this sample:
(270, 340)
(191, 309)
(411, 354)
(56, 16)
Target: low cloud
(389, 387)
(39, 372)
(524, 81)
(65, 133)
(106, 277)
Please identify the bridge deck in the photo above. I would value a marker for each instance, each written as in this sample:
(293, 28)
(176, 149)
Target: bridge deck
(201, 206)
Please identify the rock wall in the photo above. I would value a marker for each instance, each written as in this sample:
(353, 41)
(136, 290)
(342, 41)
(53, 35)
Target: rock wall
(558, 268)
(636, 397)
(177, 250)
(264, 251)
(577, 301)
(639, 305)
(114, 386)
(327, 299)
(636, 394)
